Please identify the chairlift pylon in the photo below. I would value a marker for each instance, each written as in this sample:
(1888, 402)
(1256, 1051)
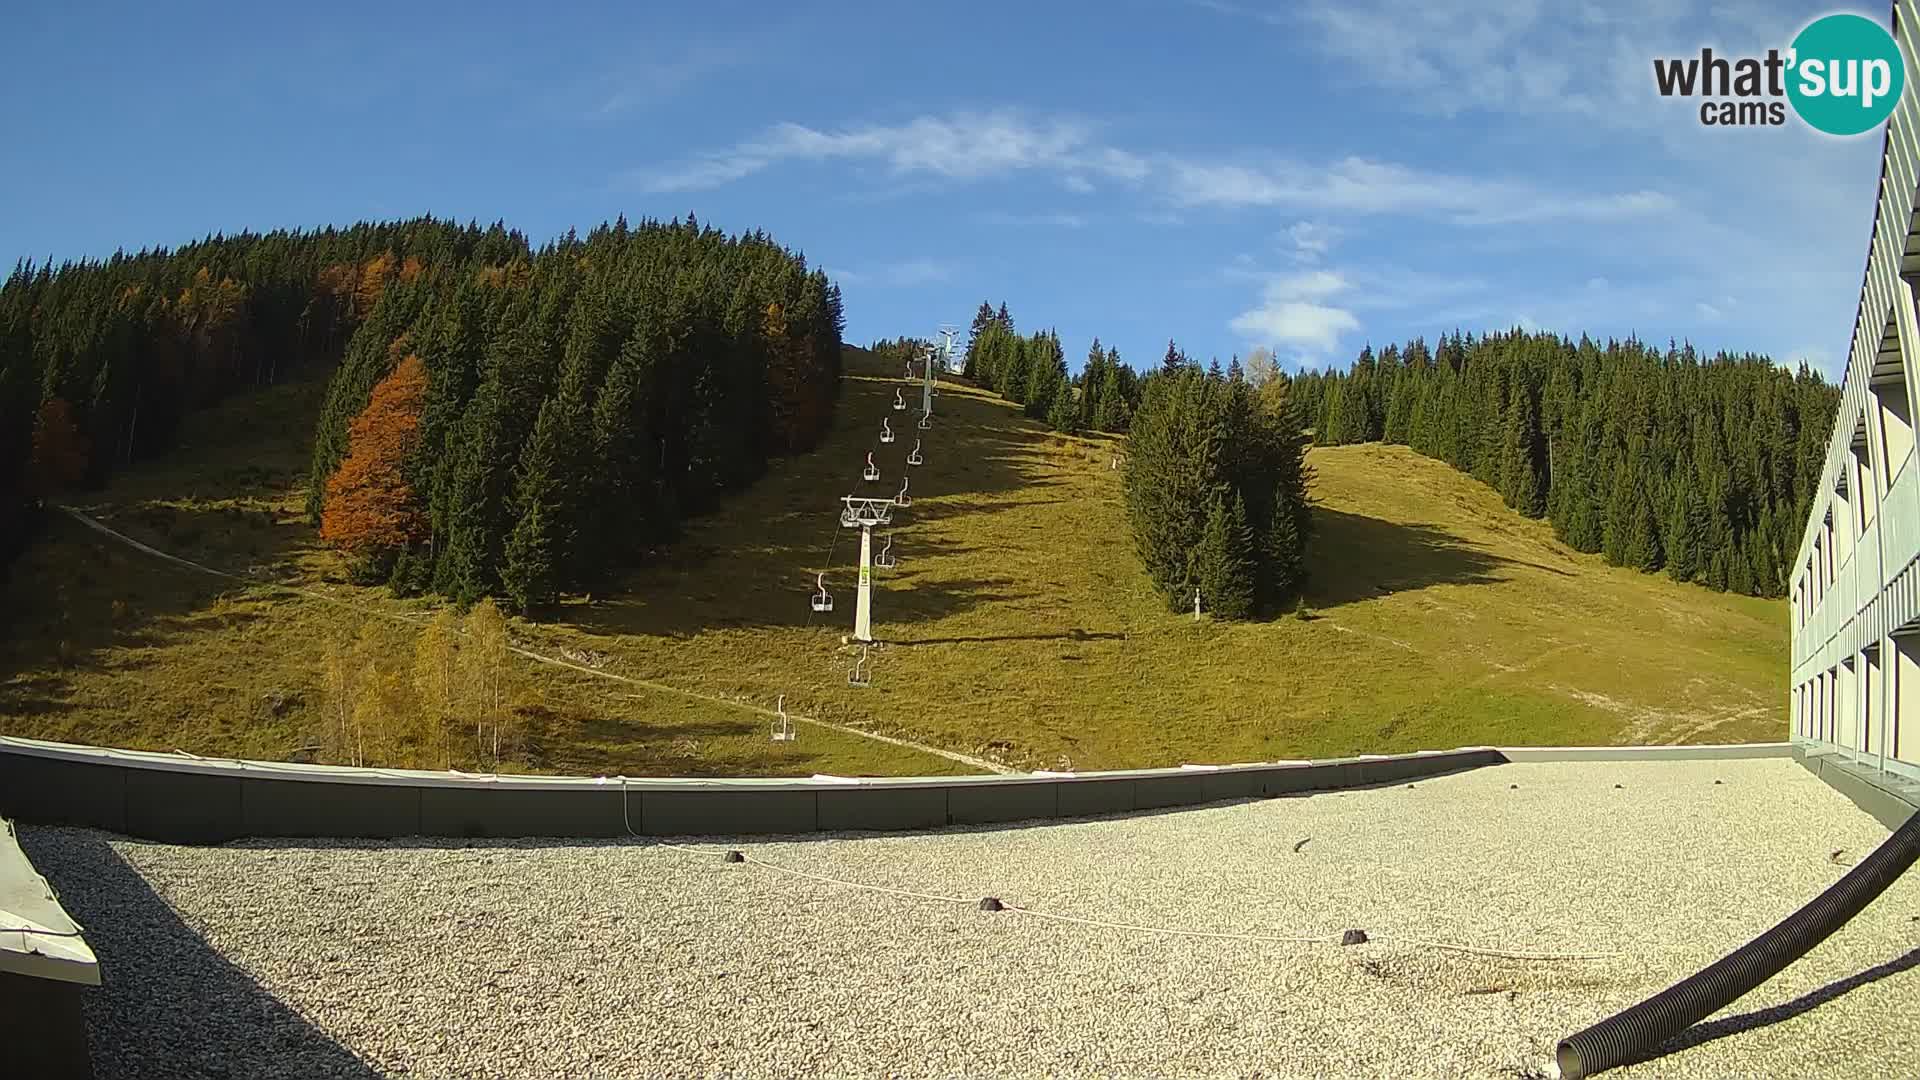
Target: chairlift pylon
(822, 600)
(782, 724)
(872, 471)
(862, 674)
(899, 400)
(885, 559)
(902, 499)
(915, 458)
(865, 513)
(886, 431)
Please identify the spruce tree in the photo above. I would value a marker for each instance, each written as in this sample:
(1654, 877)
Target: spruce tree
(1223, 563)
(1520, 484)
(1063, 415)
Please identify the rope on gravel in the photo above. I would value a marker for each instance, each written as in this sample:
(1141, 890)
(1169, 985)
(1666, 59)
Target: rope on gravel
(1143, 928)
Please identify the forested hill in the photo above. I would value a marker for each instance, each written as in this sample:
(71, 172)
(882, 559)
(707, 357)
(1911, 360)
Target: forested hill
(99, 360)
(1662, 460)
(502, 420)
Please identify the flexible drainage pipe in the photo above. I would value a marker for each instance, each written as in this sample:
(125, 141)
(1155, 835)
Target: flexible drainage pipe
(1633, 1034)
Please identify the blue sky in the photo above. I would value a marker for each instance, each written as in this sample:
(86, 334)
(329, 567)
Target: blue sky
(1306, 176)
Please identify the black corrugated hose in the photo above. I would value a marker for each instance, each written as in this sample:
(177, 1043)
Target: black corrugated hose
(1637, 1032)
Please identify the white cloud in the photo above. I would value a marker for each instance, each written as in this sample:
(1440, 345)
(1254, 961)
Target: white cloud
(1311, 239)
(1295, 311)
(1708, 311)
(1310, 309)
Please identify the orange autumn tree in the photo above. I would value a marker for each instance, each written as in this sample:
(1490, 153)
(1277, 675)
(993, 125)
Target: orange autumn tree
(370, 508)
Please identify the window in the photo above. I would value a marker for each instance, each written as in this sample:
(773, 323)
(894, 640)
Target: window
(1846, 708)
(1888, 383)
(1871, 692)
(1903, 730)
(1866, 490)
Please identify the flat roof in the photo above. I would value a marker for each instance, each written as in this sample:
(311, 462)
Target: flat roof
(37, 937)
(1506, 908)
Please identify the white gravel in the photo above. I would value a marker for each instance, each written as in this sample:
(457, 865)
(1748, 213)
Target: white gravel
(630, 959)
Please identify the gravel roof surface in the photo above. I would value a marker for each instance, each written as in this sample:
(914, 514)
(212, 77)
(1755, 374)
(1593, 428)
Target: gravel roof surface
(512, 958)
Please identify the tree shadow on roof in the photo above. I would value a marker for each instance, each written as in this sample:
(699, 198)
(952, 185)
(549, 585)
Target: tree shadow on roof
(1713, 1030)
(161, 981)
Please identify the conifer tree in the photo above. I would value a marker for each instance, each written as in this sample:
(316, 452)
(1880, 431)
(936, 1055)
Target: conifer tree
(1520, 484)
(1063, 415)
(1223, 563)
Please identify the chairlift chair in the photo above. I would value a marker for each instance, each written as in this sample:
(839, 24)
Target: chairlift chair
(915, 458)
(782, 724)
(886, 431)
(899, 401)
(885, 559)
(861, 675)
(926, 420)
(872, 471)
(823, 600)
(901, 499)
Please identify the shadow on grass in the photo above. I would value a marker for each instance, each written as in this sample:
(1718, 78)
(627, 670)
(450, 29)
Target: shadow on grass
(752, 562)
(168, 1004)
(1069, 635)
(214, 498)
(1354, 557)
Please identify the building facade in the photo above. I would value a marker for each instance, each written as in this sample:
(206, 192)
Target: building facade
(1855, 584)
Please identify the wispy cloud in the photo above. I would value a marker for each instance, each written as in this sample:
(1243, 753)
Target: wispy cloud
(922, 271)
(1361, 186)
(963, 146)
(1059, 221)
(974, 145)
(649, 82)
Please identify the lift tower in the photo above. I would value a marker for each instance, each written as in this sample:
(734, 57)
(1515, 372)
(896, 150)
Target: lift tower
(863, 514)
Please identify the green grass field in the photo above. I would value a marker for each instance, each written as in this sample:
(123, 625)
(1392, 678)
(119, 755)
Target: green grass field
(1018, 626)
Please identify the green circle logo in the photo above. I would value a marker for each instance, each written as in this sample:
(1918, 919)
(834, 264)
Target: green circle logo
(1845, 74)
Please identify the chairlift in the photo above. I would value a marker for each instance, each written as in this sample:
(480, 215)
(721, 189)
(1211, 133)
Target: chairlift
(899, 400)
(926, 420)
(823, 600)
(901, 499)
(885, 559)
(847, 516)
(886, 431)
(915, 458)
(872, 471)
(782, 724)
(861, 675)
